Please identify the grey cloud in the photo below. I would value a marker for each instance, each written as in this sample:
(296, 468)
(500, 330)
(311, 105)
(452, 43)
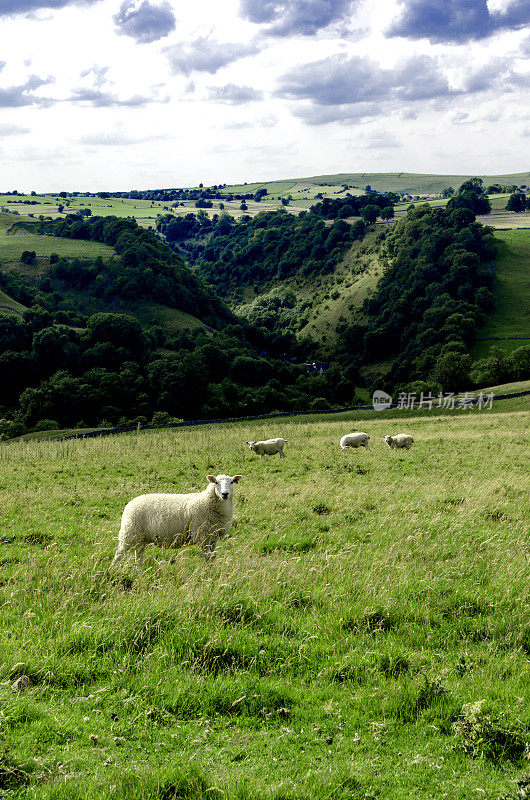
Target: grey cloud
(343, 81)
(98, 75)
(344, 113)
(295, 17)
(147, 23)
(99, 99)
(11, 7)
(12, 130)
(206, 55)
(22, 95)
(234, 95)
(457, 21)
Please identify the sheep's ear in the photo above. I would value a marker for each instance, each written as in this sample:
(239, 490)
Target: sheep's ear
(212, 478)
(236, 478)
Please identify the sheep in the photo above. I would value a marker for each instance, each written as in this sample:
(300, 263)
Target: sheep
(354, 440)
(268, 447)
(401, 440)
(173, 520)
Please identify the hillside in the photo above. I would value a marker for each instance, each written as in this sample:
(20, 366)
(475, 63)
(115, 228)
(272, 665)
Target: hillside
(362, 633)
(511, 315)
(406, 182)
(19, 234)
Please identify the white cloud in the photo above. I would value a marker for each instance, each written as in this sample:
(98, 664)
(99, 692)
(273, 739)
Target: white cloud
(120, 92)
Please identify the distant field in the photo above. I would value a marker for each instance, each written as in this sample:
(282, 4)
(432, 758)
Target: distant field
(302, 192)
(363, 633)
(143, 211)
(411, 183)
(511, 316)
(13, 245)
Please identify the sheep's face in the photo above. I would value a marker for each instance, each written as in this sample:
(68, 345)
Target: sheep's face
(251, 445)
(388, 440)
(224, 485)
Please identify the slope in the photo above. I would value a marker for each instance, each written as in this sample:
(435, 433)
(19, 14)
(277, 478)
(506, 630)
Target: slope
(511, 316)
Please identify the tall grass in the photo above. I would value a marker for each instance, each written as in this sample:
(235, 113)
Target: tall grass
(361, 605)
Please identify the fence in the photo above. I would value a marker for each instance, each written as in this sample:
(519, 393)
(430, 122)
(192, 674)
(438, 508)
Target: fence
(191, 422)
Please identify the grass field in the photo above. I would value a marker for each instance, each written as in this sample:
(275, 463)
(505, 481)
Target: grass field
(511, 316)
(411, 183)
(12, 245)
(361, 608)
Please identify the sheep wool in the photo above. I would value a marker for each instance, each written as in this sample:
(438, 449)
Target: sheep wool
(268, 447)
(174, 520)
(358, 439)
(400, 441)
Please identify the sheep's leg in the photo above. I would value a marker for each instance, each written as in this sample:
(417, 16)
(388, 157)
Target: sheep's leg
(118, 557)
(282, 454)
(367, 447)
(139, 556)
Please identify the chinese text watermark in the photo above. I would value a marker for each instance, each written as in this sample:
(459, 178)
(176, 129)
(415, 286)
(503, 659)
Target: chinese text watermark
(443, 400)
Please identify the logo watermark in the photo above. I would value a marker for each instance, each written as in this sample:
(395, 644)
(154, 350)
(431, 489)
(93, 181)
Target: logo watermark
(443, 400)
(381, 400)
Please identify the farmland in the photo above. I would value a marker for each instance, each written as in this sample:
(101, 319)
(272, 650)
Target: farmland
(16, 236)
(511, 316)
(364, 631)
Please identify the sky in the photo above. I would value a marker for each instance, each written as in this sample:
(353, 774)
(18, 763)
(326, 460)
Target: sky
(136, 94)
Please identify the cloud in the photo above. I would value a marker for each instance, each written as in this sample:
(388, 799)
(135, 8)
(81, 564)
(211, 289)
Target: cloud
(337, 81)
(11, 7)
(234, 95)
(379, 140)
(457, 21)
(206, 55)
(343, 113)
(98, 75)
(99, 99)
(261, 122)
(146, 23)
(22, 95)
(115, 139)
(12, 130)
(295, 17)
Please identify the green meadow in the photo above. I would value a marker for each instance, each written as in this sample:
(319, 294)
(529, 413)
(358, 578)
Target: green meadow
(363, 633)
(16, 236)
(511, 315)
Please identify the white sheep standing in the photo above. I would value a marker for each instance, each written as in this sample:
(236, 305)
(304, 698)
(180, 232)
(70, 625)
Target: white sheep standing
(173, 520)
(268, 447)
(354, 440)
(401, 440)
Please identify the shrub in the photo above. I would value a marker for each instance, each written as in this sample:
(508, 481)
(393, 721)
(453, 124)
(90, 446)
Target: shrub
(46, 425)
(483, 734)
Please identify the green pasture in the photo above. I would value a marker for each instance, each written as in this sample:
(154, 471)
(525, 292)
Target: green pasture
(411, 183)
(511, 316)
(363, 633)
(13, 244)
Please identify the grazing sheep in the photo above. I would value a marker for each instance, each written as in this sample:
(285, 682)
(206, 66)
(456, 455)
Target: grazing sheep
(354, 440)
(173, 520)
(401, 440)
(269, 447)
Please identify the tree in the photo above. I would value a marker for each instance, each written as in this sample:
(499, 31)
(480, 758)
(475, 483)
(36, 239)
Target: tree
(387, 212)
(471, 195)
(28, 257)
(370, 213)
(452, 370)
(516, 202)
(448, 191)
